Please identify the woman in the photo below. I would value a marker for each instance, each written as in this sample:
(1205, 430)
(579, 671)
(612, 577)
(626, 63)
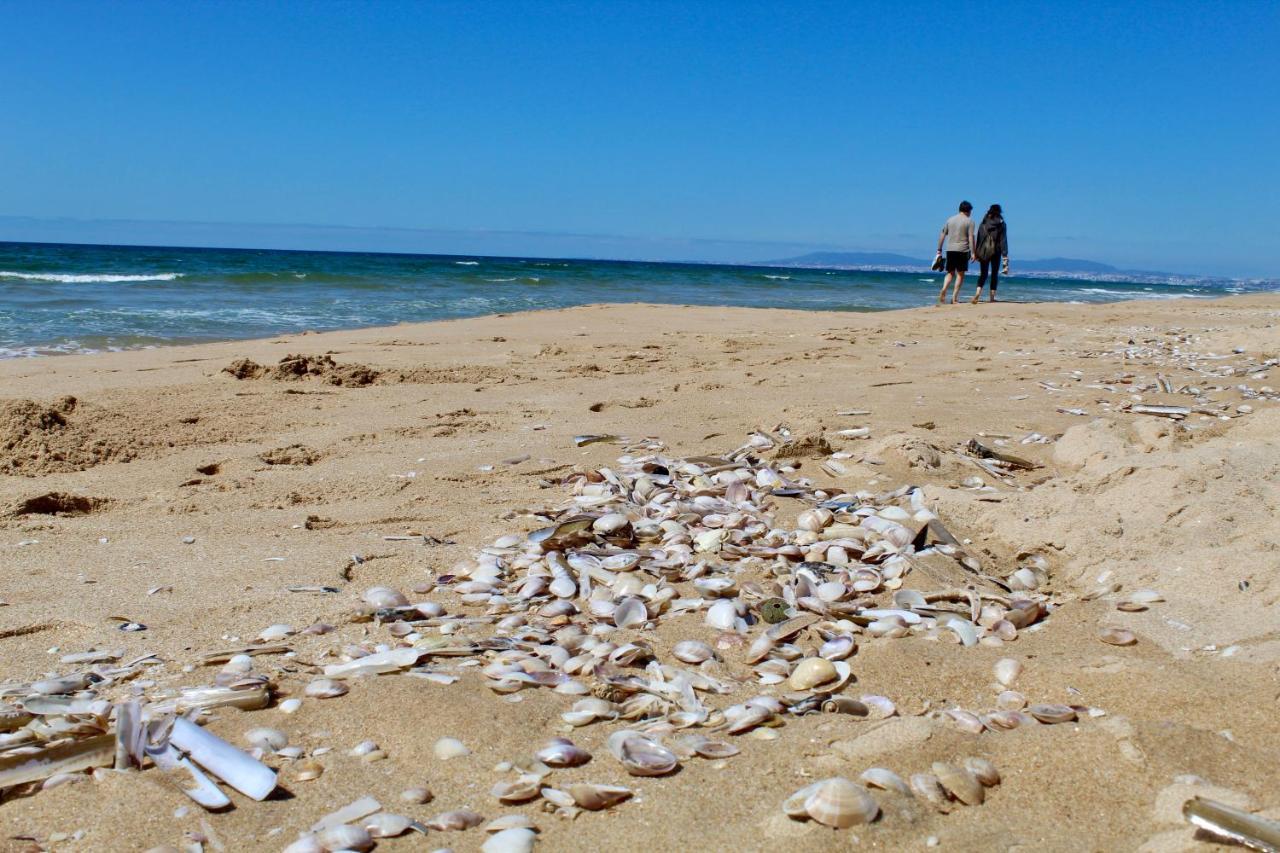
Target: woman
(992, 245)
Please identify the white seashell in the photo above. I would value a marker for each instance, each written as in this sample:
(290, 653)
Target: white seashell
(722, 615)
(927, 787)
(561, 752)
(266, 739)
(1007, 670)
(363, 748)
(610, 522)
(629, 613)
(693, 651)
(345, 837)
(418, 795)
(518, 840)
(387, 825)
(983, 770)
(325, 688)
(881, 707)
(290, 706)
(275, 632)
(838, 648)
(520, 790)
(448, 747)
(384, 596)
(641, 756)
(814, 519)
(966, 721)
(455, 821)
(811, 673)
(515, 821)
(1011, 700)
(831, 591)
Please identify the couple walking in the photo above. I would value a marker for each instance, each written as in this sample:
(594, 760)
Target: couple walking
(987, 247)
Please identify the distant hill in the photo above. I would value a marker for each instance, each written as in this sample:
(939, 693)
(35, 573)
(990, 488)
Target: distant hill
(888, 259)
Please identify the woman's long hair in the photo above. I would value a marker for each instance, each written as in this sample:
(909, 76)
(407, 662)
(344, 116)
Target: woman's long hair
(993, 212)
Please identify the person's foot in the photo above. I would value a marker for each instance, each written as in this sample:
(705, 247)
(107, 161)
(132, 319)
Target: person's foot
(974, 300)
(992, 299)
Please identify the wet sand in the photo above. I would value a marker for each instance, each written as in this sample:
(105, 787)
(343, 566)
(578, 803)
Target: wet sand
(279, 477)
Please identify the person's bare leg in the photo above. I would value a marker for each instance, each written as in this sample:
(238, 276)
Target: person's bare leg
(977, 294)
(946, 282)
(993, 295)
(955, 294)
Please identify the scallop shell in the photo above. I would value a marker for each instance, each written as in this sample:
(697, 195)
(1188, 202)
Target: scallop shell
(959, 783)
(597, 797)
(839, 803)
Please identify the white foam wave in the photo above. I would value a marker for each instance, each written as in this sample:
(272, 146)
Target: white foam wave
(467, 263)
(499, 279)
(90, 278)
(779, 277)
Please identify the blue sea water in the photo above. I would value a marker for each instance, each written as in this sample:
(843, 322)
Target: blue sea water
(73, 298)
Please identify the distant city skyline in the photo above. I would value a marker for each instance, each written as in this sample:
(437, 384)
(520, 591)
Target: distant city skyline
(1135, 135)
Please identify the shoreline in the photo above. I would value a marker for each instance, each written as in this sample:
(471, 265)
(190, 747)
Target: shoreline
(309, 333)
(449, 432)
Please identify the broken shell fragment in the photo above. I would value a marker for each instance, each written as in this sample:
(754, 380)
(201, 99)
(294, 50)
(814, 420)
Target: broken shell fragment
(597, 797)
(455, 821)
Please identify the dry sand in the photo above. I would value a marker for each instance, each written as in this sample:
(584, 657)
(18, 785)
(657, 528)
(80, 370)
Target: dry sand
(392, 436)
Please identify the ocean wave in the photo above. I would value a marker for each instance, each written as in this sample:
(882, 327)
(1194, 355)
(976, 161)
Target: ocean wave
(779, 277)
(467, 263)
(500, 279)
(89, 278)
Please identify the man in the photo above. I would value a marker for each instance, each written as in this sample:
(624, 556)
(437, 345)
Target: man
(958, 235)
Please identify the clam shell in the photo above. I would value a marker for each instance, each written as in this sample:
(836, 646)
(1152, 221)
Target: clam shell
(811, 673)
(450, 747)
(692, 651)
(325, 688)
(983, 770)
(1011, 700)
(1117, 637)
(455, 820)
(266, 738)
(959, 783)
(966, 721)
(840, 803)
(1052, 713)
(308, 770)
(630, 612)
(510, 821)
(517, 840)
(1007, 670)
(597, 797)
(520, 790)
(387, 825)
(417, 795)
(561, 752)
(927, 787)
(640, 755)
(716, 749)
(879, 777)
(383, 596)
(345, 837)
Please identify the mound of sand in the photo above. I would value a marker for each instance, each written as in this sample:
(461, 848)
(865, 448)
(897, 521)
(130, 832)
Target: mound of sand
(293, 368)
(53, 438)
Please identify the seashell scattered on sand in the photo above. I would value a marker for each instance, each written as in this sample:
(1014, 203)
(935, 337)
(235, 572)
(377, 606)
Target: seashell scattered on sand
(1117, 637)
(1007, 670)
(835, 802)
(447, 748)
(959, 783)
(597, 797)
(325, 688)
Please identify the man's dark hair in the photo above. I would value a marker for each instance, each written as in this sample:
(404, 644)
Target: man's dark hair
(965, 207)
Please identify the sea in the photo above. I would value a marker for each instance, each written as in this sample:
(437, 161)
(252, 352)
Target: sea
(57, 298)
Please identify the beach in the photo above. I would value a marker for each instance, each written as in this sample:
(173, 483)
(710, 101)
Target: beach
(187, 488)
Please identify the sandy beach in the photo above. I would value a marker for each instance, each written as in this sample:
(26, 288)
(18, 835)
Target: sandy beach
(186, 489)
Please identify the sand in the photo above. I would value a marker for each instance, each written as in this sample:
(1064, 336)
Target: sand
(314, 447)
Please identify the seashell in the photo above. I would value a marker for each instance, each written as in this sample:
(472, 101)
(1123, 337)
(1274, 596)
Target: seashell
(831, 591)
(266, 739)
(927, 787)
(305, 844)
(290, 706)
(845, 705)
(881, 707)
(383, 596)
(630, 612)
(879, 777)
(610, 522)
(1007, 670)
(325, 688)
(1004, 720)
(512, 821)
(640, 755)
(521, 790)
(811, 673)
(418, 795)
(561, 752)
(742, 718)
(959, 783)
(835, 802)
(449, 747)
(308, 770)
(1052, 713)
(692, 651)
(838, 647)
(814, 519)
(455, 821)
(1011, 700)
(723, 615)
(363, 748)
(966, 721)
(716, 749)
(517, 840)
(272, 633)
(983, 770)
(1117, 637)
(345, 837)
(387, 825)
(597, 797)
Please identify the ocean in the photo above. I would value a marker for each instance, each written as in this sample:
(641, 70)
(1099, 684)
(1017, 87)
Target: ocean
(78, 299)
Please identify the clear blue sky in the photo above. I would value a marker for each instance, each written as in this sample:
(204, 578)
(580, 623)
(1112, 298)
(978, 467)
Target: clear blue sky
(1141, 134)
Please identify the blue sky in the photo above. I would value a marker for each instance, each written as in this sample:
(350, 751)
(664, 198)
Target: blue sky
(1141, 134)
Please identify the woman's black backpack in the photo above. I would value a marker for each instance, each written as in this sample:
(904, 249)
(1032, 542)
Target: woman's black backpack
(989, 240)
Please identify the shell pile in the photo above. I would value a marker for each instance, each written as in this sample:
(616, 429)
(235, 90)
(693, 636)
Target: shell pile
(571, 608)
